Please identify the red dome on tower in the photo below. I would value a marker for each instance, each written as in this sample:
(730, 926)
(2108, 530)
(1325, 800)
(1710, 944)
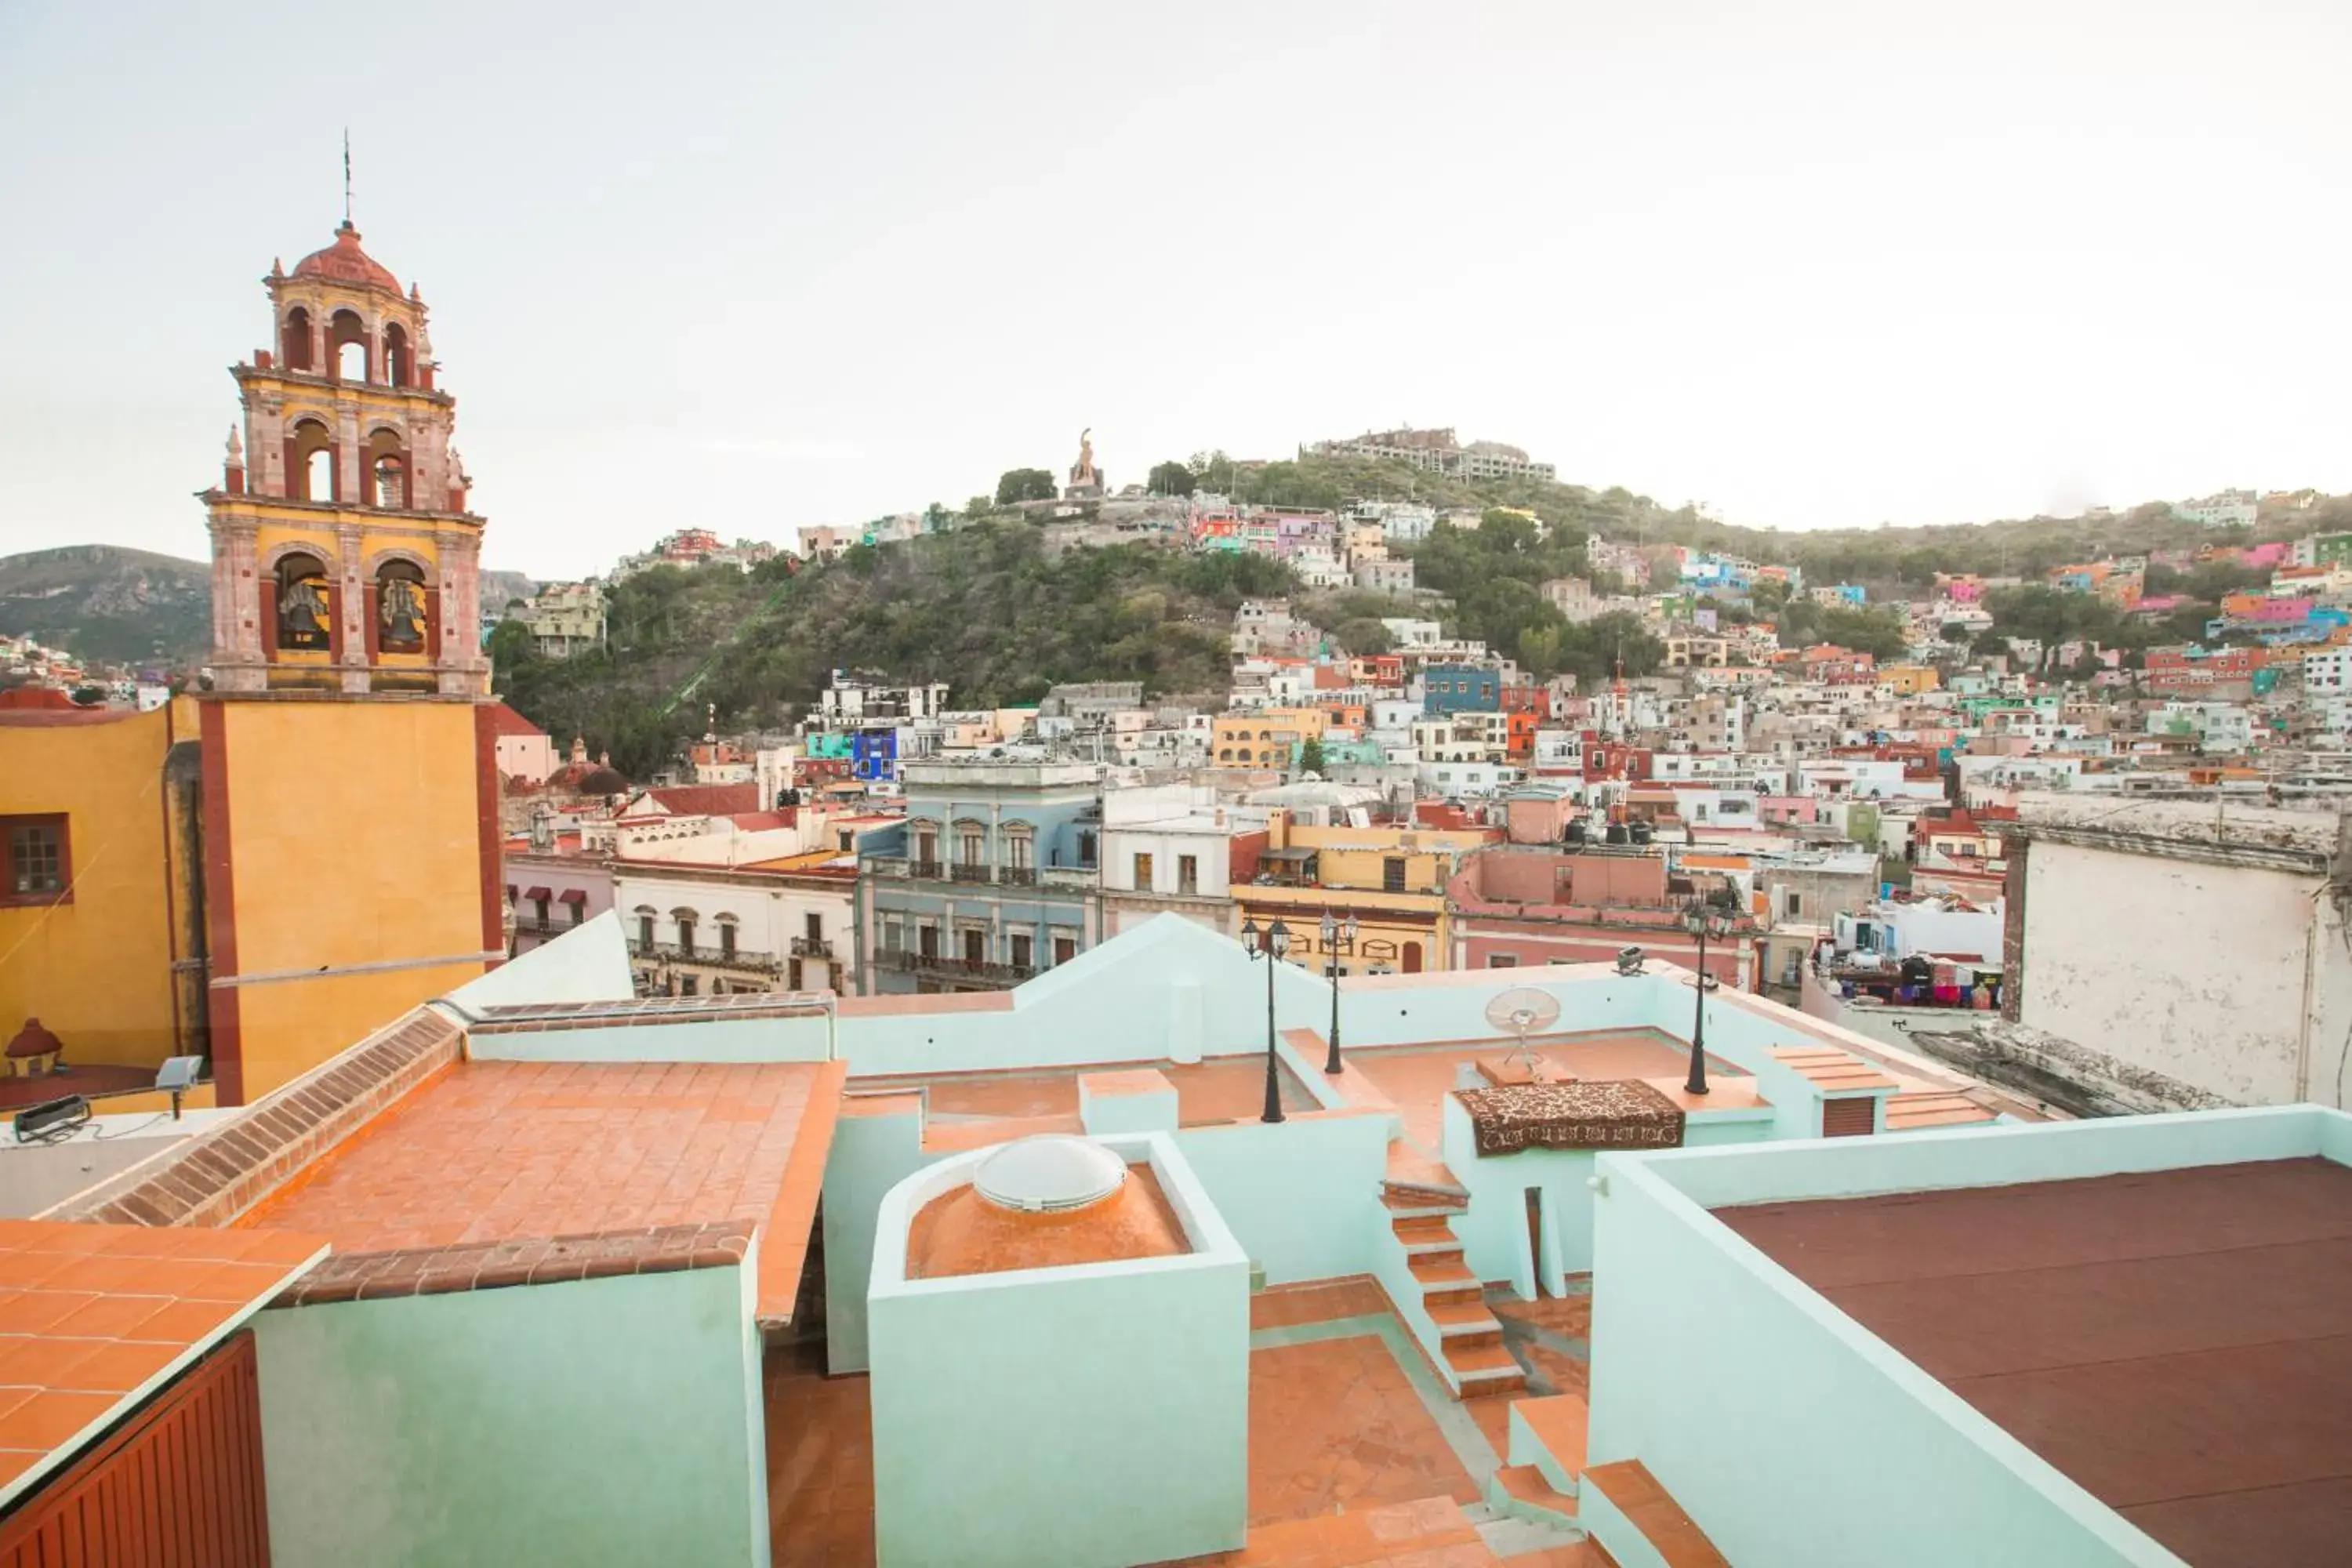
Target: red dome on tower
(345, 262)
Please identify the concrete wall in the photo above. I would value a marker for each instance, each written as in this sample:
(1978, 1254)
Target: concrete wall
(2235, 979)
(1302, 1197)
(1088, 1416)
(603, 1421)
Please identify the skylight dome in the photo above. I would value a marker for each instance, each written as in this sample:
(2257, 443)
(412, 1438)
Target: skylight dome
(1049, 1174)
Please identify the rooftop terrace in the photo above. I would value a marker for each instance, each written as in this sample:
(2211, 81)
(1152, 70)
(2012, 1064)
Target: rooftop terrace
(2176, 1342)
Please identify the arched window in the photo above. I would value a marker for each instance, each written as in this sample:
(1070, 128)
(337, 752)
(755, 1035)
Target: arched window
(685, 919)
(386, 467)
(305, 606)
(294, 339)
(396, 368)
(311, 462)
(347, 346)
(400, 614)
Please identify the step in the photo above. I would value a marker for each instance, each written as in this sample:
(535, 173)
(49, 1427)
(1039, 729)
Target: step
(1427, 1236)
(1415, 1203)
(1549, 1434)
(1484, 1369)
(1444, 1279)
(1626, 1490)
(1523, 1492)
(1466, 1323)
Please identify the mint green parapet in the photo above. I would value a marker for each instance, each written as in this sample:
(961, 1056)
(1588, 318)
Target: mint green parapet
(1088, 1416)
(613, 1421)
(1794, 1435)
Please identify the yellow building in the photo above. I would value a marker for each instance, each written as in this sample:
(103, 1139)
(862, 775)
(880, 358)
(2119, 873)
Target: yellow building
(1263, 738)
(1390, 879)
(263, 874)
(1909, 680)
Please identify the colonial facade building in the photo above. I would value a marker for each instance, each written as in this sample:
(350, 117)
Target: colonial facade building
(993, 878)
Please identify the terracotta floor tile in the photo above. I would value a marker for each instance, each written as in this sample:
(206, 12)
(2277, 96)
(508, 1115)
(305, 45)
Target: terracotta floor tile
(48, 1419)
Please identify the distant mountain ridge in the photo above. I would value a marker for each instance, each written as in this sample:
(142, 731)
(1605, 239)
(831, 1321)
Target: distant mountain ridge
(107, 603)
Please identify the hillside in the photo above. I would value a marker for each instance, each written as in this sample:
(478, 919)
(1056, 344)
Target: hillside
(988, 609)
(1890, 560)
(106, 603)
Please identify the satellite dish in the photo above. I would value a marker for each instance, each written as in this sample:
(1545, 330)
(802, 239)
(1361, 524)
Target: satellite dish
(1522, 1011)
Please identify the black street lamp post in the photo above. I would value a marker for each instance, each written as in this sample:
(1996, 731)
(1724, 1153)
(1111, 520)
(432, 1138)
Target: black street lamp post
(1336, 931)
(1702, 919)
(1269, 944)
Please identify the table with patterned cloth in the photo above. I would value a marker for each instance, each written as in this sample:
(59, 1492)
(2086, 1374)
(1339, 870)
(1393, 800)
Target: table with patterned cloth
(1587, 1114)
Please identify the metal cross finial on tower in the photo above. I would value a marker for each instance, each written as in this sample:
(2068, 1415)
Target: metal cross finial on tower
(347, 177)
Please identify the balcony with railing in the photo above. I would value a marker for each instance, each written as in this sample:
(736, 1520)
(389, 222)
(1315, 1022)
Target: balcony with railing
(709, 956)
(970, 970)
(813, 947)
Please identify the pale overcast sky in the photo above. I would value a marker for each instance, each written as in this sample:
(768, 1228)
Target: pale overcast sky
(761, 266)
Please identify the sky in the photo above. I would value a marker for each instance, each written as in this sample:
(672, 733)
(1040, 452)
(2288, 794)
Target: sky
(759, 267)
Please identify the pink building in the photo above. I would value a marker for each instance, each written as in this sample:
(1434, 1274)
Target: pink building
(1517, 907)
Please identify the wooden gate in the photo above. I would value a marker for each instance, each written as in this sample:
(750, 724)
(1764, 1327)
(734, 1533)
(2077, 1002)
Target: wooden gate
(178, 1486)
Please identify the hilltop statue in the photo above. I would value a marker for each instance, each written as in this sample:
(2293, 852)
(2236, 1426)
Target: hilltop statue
(1085, 481)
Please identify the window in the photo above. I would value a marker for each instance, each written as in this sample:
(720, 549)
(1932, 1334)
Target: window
(688, 985)
(975, 947)
(1795, 903)
(39, 863)
(1020, 848)
(646, 929)
(1021, 946)
(1086, 848)
(894, 937)
(1188, 873)
(579, 908)
(927, 939)
(1065, 948)
(726, 939)
(1143, 873)
(1392, 874)
(1502, 961)
(538, 910)
(972, 847)
(813, 925)
(685, 918)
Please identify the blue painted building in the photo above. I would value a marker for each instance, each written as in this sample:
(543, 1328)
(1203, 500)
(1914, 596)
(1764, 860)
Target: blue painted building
(993, 877)
(1449, 688)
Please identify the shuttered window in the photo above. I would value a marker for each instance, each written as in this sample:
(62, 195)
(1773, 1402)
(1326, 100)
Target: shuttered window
(1852, 1116)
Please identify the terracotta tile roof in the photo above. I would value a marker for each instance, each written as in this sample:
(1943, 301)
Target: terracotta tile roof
(210, 1179)
(496, 1152)
(1832, 1070)
(93, 1318)
(704, 800)
(505, 720)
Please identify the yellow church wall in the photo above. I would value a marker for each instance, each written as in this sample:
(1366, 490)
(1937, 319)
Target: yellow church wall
(355, 844)
(287, 1028)
(96, 969)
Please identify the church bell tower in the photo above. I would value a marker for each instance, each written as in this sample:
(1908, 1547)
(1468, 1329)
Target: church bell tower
(344, 559)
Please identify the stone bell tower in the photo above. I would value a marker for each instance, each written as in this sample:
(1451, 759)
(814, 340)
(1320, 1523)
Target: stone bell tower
(344, 559)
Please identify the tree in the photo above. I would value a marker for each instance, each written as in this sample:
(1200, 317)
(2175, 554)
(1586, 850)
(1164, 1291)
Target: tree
(1018, 485)
(89, 696)
(1310, 755)
(1171, 479)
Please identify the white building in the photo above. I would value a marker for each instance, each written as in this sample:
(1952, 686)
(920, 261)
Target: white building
(2224, 509)
(2204, 944)
(1168, 848)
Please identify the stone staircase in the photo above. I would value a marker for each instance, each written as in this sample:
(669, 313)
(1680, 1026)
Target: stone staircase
(1539, 1479)
(1640, 1521)
(1469, 1338)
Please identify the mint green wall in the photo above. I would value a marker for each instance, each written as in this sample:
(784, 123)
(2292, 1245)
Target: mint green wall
(871, 1154)
(1090, 1416)
(1700, 1342)
(1495, 1240)
(1301, 1196)
(600, 1421)
(588, 963)
(1106, 1113)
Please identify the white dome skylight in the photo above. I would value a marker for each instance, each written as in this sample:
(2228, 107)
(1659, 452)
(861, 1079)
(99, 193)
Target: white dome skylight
(1051, 1172)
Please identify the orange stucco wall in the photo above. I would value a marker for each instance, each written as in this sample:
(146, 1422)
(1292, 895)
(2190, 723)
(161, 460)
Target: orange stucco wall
(97, 970)
(354, 839)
